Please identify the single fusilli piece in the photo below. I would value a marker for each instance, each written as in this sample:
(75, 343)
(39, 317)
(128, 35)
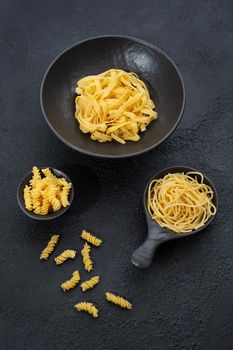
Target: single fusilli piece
(52, 195)
(92, 282)
(45, 206)
(91, 238)
(65, 194)
(115, 299)
(50, 247)
(36, 177)
(36, 194)
(72, 282)
(88, 264)
(67, 254)
(49, 175)
(37, 206)
(27, 198)
(88, 307)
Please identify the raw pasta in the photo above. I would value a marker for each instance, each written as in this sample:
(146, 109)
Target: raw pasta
(36, 177)
(88, 264)
(64, 194)
(48, 173)
(53, 198)
(46, 193)
(44, 209)
(27, 198)
(113, 105)
(71, 283)
(118, 300)
(50, 247)
(67, 254)
(92, 282)
(88, 307)
(91, 238)
(180, 202)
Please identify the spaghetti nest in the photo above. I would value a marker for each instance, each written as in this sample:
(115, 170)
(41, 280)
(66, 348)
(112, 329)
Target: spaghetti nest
(181, 202)
(113, 105)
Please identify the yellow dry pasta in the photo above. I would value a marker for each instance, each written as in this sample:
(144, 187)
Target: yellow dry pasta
(53, 198)
(64, 194)
(91, 238)
(113, 105)
(92, 282)
(88, 264)
(44, 209)
(87, 307)
(118, 300)
(50, 247)
(46, 193)
(49, 175)
(71, 283)
(36, 177)
(181, 202)
(67, 254)
(27, 198)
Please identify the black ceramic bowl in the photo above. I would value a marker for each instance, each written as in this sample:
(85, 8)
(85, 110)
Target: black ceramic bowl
(94, 56)
(50, 216)
(142, 256)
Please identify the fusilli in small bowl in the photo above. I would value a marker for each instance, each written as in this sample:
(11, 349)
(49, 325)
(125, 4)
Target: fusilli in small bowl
(51, 215)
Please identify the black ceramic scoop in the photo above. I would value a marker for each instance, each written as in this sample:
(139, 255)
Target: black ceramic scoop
(142, 257)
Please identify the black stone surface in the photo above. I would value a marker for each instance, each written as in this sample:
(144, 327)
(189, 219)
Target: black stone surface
(184, 301)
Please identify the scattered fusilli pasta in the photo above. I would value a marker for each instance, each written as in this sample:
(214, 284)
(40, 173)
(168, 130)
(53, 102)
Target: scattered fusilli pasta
(88, 264)
(46, 193)
(67, 254)
(115, 299)
(50, 247)
(92, 282)
(71, 283)
(91, 238)
(88, 307)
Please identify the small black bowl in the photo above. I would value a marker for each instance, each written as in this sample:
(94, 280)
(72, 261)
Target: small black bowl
(143, 256)
(50, 216)
(94, 56)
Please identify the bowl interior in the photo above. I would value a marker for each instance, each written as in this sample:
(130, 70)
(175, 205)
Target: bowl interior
(95, 56)
(20, 197)
(180, 169)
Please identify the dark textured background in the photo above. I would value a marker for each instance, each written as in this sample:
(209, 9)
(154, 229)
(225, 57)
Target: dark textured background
(185, 300)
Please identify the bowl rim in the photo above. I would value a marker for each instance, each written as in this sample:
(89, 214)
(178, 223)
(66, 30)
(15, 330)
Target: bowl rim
(98, 155)
(54, 214)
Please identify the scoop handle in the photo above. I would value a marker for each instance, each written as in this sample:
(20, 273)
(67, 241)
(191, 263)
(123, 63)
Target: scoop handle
(143, 255)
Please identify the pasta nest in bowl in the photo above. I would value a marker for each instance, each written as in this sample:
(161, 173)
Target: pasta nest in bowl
(113, 105)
